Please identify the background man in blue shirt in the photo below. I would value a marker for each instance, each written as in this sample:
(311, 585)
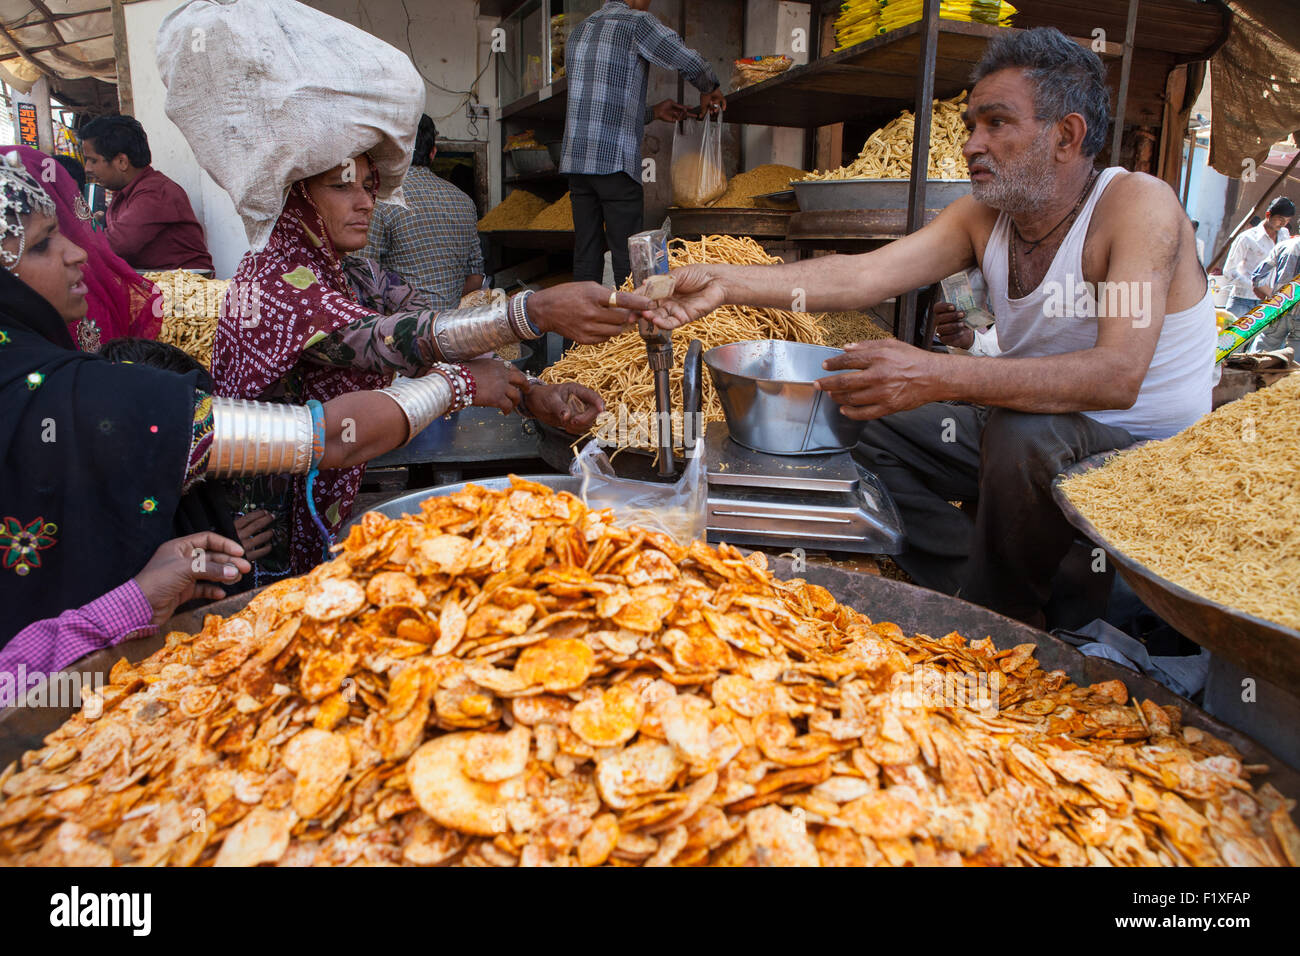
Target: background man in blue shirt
(607, 60)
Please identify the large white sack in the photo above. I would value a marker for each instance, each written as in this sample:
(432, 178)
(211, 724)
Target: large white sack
(268, 92)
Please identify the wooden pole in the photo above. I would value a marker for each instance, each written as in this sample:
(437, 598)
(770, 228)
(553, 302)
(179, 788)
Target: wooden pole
(121, 56)
(907, 325)
(1126, 64)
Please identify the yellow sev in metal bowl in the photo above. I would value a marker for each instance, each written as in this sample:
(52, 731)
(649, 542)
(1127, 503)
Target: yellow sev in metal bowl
(1214, 508)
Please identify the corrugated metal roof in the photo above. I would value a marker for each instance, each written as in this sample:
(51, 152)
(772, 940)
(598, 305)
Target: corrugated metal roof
(64, 39)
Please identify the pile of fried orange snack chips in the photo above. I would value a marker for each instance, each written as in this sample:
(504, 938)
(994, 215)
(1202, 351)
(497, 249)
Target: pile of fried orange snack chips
(510, 679)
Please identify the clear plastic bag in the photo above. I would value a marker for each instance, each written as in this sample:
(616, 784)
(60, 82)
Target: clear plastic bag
(698, 174)
(679, 510)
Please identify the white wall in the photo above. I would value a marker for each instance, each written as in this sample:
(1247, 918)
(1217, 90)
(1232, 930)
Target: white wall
(1207, 199)
(448, 43)
(171, 154)
(770, 28)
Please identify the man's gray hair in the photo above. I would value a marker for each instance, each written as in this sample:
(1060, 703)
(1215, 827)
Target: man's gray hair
(1066, 77)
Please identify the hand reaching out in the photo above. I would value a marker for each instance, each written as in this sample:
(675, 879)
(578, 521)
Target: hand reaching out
(696, 292)
(180, 569)
(585, 312)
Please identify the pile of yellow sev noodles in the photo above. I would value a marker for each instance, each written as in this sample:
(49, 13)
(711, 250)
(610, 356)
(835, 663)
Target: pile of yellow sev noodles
(558, 215)
(1212, 509)
(742, 189)
(516, 211)
(617, 368)
(887, 153)
(191, 310)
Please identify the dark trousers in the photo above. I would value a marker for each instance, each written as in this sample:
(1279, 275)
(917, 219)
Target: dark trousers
(1006, 556)
(606, 209)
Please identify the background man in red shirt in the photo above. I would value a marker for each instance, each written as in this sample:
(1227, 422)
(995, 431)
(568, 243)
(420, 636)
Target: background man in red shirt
(150, 221)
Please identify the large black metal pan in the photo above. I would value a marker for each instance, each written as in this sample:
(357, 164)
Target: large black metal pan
(1262, 647)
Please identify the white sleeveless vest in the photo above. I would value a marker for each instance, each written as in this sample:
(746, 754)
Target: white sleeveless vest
(1060, 315)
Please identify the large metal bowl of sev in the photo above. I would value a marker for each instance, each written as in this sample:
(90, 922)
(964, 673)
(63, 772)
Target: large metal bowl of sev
(817, 194)
(1263, 647)
(766, 391)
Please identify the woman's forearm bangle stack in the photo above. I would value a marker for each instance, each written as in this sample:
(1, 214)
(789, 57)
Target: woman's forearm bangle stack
(462, 334)
(422, 399)
(259, 438)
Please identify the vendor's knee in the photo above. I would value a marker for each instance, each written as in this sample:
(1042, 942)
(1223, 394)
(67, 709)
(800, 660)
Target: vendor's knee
(873, 442)
(1020, 447)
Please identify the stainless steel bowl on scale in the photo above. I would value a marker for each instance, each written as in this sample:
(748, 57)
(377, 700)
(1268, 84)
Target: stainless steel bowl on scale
(767, 394)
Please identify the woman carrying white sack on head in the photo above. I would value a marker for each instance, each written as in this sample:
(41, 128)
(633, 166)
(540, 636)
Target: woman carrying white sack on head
(304, 319)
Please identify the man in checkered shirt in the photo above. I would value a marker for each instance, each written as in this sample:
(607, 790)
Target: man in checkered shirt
(433, 244)
(606, 60)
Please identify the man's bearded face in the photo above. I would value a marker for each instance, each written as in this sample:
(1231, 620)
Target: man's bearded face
(1019, 181)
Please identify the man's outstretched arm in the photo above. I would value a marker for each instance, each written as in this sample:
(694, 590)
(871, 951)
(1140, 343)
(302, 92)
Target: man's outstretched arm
(1142, 235)
(833, 283)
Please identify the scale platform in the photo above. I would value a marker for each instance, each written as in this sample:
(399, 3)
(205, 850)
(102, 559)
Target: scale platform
(824, 502)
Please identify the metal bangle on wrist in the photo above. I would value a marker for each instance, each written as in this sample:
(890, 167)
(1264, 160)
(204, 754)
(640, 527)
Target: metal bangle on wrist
(531, 382)
(462, 334)
(421, 399)
(519, 317)
(259, 438)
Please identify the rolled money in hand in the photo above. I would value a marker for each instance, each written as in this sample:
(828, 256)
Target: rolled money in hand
(658, 287)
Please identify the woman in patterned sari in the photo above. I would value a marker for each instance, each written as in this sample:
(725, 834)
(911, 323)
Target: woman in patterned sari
(303, 320)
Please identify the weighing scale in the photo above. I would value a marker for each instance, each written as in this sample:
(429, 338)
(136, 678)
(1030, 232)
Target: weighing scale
(823, 502)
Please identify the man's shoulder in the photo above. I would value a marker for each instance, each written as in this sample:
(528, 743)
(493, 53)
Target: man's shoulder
(155, 180)
(977, 218)
(1149, 191)
(1132, 198)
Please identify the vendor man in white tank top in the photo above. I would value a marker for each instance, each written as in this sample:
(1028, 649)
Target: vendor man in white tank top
(1103, 314)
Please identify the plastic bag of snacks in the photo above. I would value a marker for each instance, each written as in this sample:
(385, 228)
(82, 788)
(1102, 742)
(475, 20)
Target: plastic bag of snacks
(698, 174)
(680, 510)
(1235, 336)
(755, 69)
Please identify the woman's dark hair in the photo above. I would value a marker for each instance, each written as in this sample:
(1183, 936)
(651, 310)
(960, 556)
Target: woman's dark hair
(426, 138)
(74, 168)
(156, 355)
(1066, 78)
(1281, 206)
(119, 134)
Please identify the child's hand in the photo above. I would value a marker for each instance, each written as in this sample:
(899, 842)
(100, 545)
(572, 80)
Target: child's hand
(255, 530)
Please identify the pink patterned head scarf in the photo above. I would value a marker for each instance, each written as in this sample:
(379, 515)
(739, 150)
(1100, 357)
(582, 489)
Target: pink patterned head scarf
(119, 301)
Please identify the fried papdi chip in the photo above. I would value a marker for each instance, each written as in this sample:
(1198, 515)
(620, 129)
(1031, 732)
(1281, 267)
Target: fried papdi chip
(260, 837)
(320, 761)
(452, 798)
(334, 598)
(558, 664)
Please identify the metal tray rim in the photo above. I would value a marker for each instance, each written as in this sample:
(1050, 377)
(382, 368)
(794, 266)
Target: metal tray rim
(1126, 562)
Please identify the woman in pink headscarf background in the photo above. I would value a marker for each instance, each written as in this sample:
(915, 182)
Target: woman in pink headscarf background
(119, 300)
